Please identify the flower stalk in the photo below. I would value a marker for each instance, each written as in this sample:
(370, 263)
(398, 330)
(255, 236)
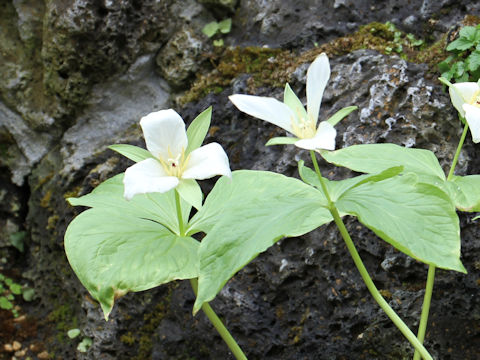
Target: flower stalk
(207, 309)
(364, 273)
(422, 327)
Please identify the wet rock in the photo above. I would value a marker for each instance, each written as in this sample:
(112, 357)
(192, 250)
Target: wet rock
(304, 23)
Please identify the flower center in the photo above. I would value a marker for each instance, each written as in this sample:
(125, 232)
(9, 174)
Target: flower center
(303, 128)
(175, 165)
(475, 100)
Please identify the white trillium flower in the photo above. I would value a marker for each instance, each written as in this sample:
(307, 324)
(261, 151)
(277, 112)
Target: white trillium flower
(466, 99)
(291, 115)
(167, 141)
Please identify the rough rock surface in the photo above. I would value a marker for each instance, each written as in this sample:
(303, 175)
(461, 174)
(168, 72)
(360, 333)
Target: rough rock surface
(77, 76)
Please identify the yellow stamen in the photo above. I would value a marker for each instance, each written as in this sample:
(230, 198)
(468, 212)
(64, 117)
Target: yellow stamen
(302, 127)
(175, 166)
(475, 100)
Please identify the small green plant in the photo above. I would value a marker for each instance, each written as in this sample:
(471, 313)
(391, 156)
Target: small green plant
(400, 40)
(83, 345)
(8, 290)
(464, 63)
(17, 238)
(215, 28)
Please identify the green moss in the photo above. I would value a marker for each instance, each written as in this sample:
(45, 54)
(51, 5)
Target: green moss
(273, 67)
(151, 321)
(64, 319)
(265, 65)
(72, 193)
(128, 339)
(46, 199)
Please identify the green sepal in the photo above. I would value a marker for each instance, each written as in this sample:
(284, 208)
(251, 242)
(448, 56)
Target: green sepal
(293, 102)
(341, 114)
(132, 152)
(190, 191)
(198, 129)
(282, 140)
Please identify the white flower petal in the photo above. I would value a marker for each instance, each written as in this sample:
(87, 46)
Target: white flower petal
(206, 162)
(472, 115)
(317, 77)
(323, 139)
(147, 176)
(265, 108)
(164, 133)
(461, 93)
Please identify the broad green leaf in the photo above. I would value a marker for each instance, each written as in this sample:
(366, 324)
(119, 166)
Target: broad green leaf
(293, 102)
(474, 61)
(468, 33)
(245, 216)
(341, 114)
(225, 26)
(465, 192)
(282, 141)
(374, 158)
(460, 44)
(132, 152)
(190, 191)
(417, 219)
(154, 206)
(113, 253)
(210, 29)
(198, 129)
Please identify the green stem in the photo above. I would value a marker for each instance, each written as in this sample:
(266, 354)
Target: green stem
(425, 308)
(422, 327)
(457, 153)
(222, 330)
(364, 273)
(320, 178)
(179, 214)
(217, 323)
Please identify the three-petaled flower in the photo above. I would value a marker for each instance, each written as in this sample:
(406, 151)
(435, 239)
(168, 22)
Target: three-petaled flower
(170, 165)
(466, 99)
(291, 115)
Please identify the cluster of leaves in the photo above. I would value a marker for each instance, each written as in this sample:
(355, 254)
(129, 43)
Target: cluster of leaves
(464, 63)
(215, 29)
(118, 246)
(400, 40)
(8, 290)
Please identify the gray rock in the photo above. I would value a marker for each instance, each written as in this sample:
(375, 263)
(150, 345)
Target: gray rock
(181, 57)
(114, 107)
